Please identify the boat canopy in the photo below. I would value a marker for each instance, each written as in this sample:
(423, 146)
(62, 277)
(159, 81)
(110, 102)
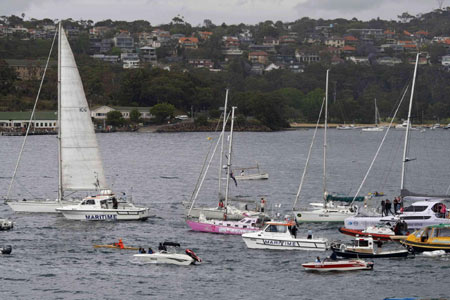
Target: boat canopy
(171, 244)
(343, 198)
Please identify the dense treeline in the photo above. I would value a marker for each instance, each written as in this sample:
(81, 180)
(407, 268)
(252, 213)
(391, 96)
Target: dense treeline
(273, 98)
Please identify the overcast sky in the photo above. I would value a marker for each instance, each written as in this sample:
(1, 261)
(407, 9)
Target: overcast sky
(219, 11)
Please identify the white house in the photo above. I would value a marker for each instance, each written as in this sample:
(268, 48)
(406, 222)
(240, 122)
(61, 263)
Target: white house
(101, 112)
(42, 120)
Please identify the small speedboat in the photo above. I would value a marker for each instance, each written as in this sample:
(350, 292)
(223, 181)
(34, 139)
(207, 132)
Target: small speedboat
(338, 265)
(6, 224)
(283, 236)
(249, 224)
(5, 249)
(429, 238)
(363, 247)
(167, 254)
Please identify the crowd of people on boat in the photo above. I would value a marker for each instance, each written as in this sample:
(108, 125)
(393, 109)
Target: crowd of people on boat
(386, 206)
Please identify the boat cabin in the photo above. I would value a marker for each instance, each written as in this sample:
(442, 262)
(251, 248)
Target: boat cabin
(430, 234)
(423, 210)
(100, 201)
(362, 245)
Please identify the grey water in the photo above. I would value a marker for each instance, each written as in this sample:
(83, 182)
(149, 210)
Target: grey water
(54, 258)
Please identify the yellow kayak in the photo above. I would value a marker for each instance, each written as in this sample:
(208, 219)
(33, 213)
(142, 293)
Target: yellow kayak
(116, 247)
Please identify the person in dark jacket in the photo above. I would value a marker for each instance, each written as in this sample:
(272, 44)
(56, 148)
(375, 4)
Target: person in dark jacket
(388, 207)
(383, 208)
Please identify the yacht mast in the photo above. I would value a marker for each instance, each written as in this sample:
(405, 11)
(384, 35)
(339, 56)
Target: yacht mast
(60, 185)
(405, 148)
(221, 146)
(230, 148)
(376, 113)
(325, 142)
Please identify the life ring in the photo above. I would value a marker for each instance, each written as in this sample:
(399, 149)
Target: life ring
(193, 255)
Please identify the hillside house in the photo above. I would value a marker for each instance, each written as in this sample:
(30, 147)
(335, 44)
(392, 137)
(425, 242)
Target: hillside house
(258, 57)
(188, 42)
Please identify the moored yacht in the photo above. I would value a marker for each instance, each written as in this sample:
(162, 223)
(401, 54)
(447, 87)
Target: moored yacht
(417, 215)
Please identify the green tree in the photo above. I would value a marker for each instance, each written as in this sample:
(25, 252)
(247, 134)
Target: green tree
(115, 118)
(162, 111)
(135, 116)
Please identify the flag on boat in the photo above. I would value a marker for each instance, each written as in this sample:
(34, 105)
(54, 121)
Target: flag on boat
(232, 177)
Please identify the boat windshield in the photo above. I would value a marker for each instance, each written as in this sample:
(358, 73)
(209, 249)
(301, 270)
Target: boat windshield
(441, 232)
(276, 228)
(418, 233)
(88, 202)
(415, 208)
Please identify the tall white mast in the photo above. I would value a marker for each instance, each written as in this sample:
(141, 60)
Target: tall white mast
(221, 146)
(325, 142)
(376, 113)
(230, 149)
(405, 148)
(60, 185)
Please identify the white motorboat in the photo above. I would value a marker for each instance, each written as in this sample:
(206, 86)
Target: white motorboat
(417, 215)
(364, 247)
(248, 174)
(80, 166)
(347, 127)
(6, 224)
(328, 211)
(338, 265)
(169, 256)
(283, 236)
(104, 207)
(404, 125)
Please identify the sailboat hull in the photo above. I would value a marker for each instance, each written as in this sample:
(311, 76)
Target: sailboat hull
(38, 206)
(323, 215)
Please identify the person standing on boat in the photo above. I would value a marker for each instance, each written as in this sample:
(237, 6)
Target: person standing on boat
(317, 259)
(221, 203)
(383, 208)
(388, 207)
(395, 206)
(263, 204)
(115, 203)
(294, 231)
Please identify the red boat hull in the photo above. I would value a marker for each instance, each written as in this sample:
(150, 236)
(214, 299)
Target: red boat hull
(375, 236)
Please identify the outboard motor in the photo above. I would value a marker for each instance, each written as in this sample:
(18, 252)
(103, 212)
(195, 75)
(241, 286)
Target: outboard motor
(193, 255)
(6, 249)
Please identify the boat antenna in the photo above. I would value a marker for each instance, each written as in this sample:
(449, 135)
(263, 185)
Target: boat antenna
(31, 118)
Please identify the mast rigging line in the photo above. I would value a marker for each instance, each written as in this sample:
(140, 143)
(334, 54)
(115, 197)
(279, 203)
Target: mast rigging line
(379, 147)
(308, 157)
(31, 118)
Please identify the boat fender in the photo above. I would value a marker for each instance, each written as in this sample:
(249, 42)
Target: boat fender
(193, 255)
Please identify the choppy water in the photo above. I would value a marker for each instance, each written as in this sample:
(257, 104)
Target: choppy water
(54, 259)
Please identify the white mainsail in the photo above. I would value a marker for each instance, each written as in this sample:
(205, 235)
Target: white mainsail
(81, 165)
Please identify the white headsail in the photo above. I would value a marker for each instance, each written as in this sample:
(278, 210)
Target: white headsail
(81, 165)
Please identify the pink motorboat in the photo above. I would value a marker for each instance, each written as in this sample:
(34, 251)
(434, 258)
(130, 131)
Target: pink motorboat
(248, 224)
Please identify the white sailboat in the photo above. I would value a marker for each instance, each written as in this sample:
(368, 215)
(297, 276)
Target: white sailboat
(224, 210)
(79, 163)
(376, 128)
(328, 211)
